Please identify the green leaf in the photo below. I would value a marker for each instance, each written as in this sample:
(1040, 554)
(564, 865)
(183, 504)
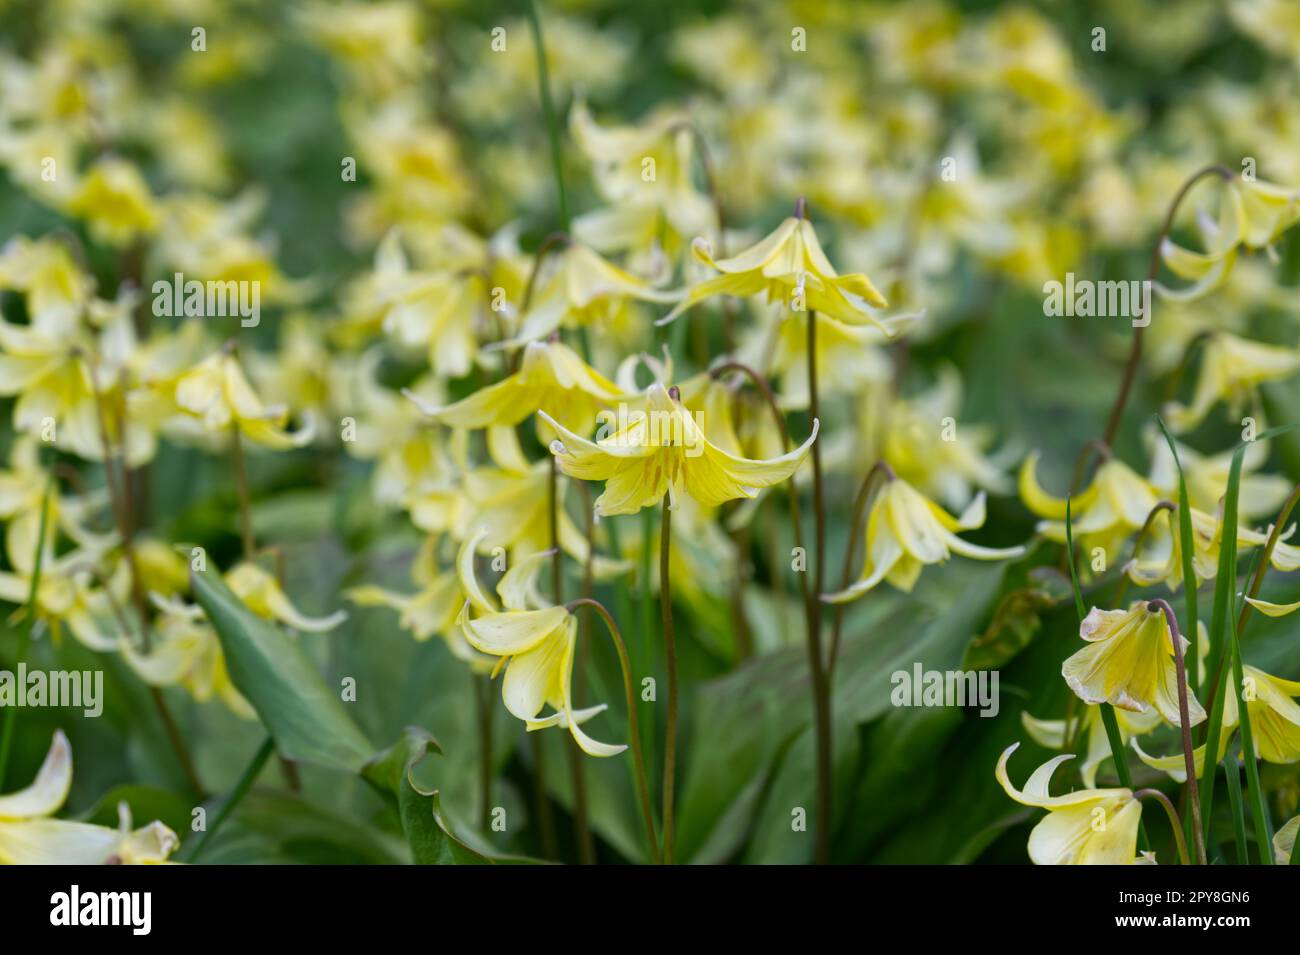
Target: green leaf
(305, 717)
(431, 841)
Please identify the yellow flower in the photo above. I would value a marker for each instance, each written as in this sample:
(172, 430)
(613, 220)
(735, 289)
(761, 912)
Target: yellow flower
(1113, 506)
(583, 289)
(1232, 369)
(433, 609)
(662, 450)
(1086, 827)
(906, 531)
(1252, 215)
(56, 289)
(1274, 723)
(217, 396)
(551, 376)
(115, 201)
(185, 651)
(263, 595)
(535, 643)
(790, 267)
(28, 836)
(1053, 734)
(1284, 841)
(1207, 476)
(1129, 663)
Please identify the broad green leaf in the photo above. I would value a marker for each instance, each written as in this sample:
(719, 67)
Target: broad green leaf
(305, 717)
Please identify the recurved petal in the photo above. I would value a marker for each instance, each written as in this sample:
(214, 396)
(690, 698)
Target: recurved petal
(512, 632)
(50, 788)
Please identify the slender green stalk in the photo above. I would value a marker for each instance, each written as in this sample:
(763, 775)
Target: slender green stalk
(25, 637)
(548, 111)
(241, 485)
(483, 697)
(236, 795)
(646, 641)
(633, 727)
(1174, 822)
(1263, 832)
(856, 516)
(670, 653)
(1238, 811)
(1186, 545)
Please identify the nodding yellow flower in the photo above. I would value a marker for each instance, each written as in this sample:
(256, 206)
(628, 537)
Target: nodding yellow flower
(1114, 505)
(28, 836)
(906, 531)
(1274, 721)
(116, 202)
(1159, 560)
(433, 609)
(535, 644)
(1232, 369)
(44, 270)
(1206, 476)
(1054, 734)
(1086, 827)
(661, 450)
(217, 396)
(1129, 663)
(1284, 841)
(262, 593)
(850, 358)
(583, 289)
(185, 652)
(551, 376)
(1252, 215)
(790, 267)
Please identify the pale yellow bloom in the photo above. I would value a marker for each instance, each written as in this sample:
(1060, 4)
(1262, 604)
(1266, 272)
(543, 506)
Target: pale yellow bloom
(661, 451)
(1232, 369)
(1053, 734)
(1129, 663)
(536, 645)
(790, 267)
(906, 531)
(116, 202)
(216, 396)
(29, 836)
(1086, 827)
(263, 595)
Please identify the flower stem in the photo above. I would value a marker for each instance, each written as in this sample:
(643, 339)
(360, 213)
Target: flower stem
(670, 654)
(548, 111)
(483, 697)
(581, 826)
(633, 724)
(1185, 725)
(881, 469)
(1174, 822)
(1153, 270)
(821, 683)
(236, 795)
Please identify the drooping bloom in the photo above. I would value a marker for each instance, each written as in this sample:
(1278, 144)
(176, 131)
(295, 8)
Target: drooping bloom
(1054, 734)
(263, 595)
(663, 450)
(1232, 369)
(1252, 215)
(790, 267)
(1129, 663)
(1086, 827)
(28, 836)
(216, 396)
(551, 376)
(906, 531)
(1111, 508)
(1284, 841)
(535, 644)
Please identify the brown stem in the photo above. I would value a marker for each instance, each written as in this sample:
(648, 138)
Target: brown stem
(855, 521)
(633, 725)
(1138, 541)
(1153, 270)
(1185, 725)
(821, 683)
